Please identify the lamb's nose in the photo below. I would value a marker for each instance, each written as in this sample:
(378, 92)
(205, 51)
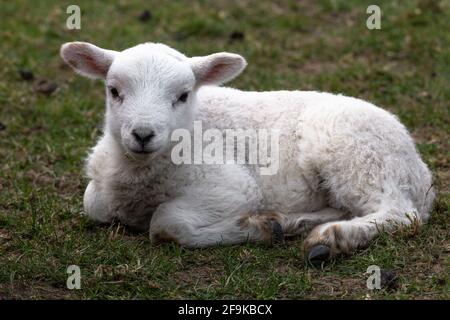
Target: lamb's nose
(143, 136)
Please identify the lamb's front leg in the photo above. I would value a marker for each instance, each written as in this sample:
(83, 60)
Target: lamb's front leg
(95, 203)
(192, 225)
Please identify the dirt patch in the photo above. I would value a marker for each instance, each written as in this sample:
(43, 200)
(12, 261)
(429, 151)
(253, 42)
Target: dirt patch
(33, 290)
(4, 235)
(338, 286)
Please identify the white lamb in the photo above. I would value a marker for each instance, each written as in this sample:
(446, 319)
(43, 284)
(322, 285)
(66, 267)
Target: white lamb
(348, 169)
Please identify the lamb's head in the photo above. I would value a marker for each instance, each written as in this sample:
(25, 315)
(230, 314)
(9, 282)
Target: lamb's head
(150, 88)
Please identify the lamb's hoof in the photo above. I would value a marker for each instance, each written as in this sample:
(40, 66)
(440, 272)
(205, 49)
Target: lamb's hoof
(318, 254)
(277, 233)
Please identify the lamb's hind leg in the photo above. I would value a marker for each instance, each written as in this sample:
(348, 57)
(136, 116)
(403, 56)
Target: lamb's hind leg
(302, 223)
(332, 238)
(176, 221)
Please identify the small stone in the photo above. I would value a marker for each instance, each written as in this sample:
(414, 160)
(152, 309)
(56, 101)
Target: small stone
(26, 75)
(237, 36)
(388, 279)
(145, 16)
(46, 87)
(441, 281)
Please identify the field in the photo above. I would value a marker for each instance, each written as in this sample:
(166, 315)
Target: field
(48, 123)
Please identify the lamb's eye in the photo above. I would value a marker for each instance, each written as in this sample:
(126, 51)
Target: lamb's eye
(183, 97)
(114, 92)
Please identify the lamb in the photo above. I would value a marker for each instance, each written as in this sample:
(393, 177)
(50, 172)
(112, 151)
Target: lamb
(347, 169)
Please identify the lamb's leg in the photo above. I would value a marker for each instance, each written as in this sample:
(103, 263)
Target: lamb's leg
(95, 204)
(301, 223)
(332, 238)
(98, 206)
(200, 229)
(178, 221)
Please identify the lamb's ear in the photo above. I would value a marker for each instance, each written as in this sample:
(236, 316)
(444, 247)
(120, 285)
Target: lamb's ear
(217, 68)
(87, 59)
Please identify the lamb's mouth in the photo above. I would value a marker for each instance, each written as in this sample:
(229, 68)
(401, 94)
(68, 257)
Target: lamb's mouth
(143, 152)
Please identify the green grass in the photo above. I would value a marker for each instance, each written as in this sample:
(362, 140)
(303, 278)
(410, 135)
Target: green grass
(309, 45)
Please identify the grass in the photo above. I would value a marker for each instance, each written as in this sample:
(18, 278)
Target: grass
(314, 45)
